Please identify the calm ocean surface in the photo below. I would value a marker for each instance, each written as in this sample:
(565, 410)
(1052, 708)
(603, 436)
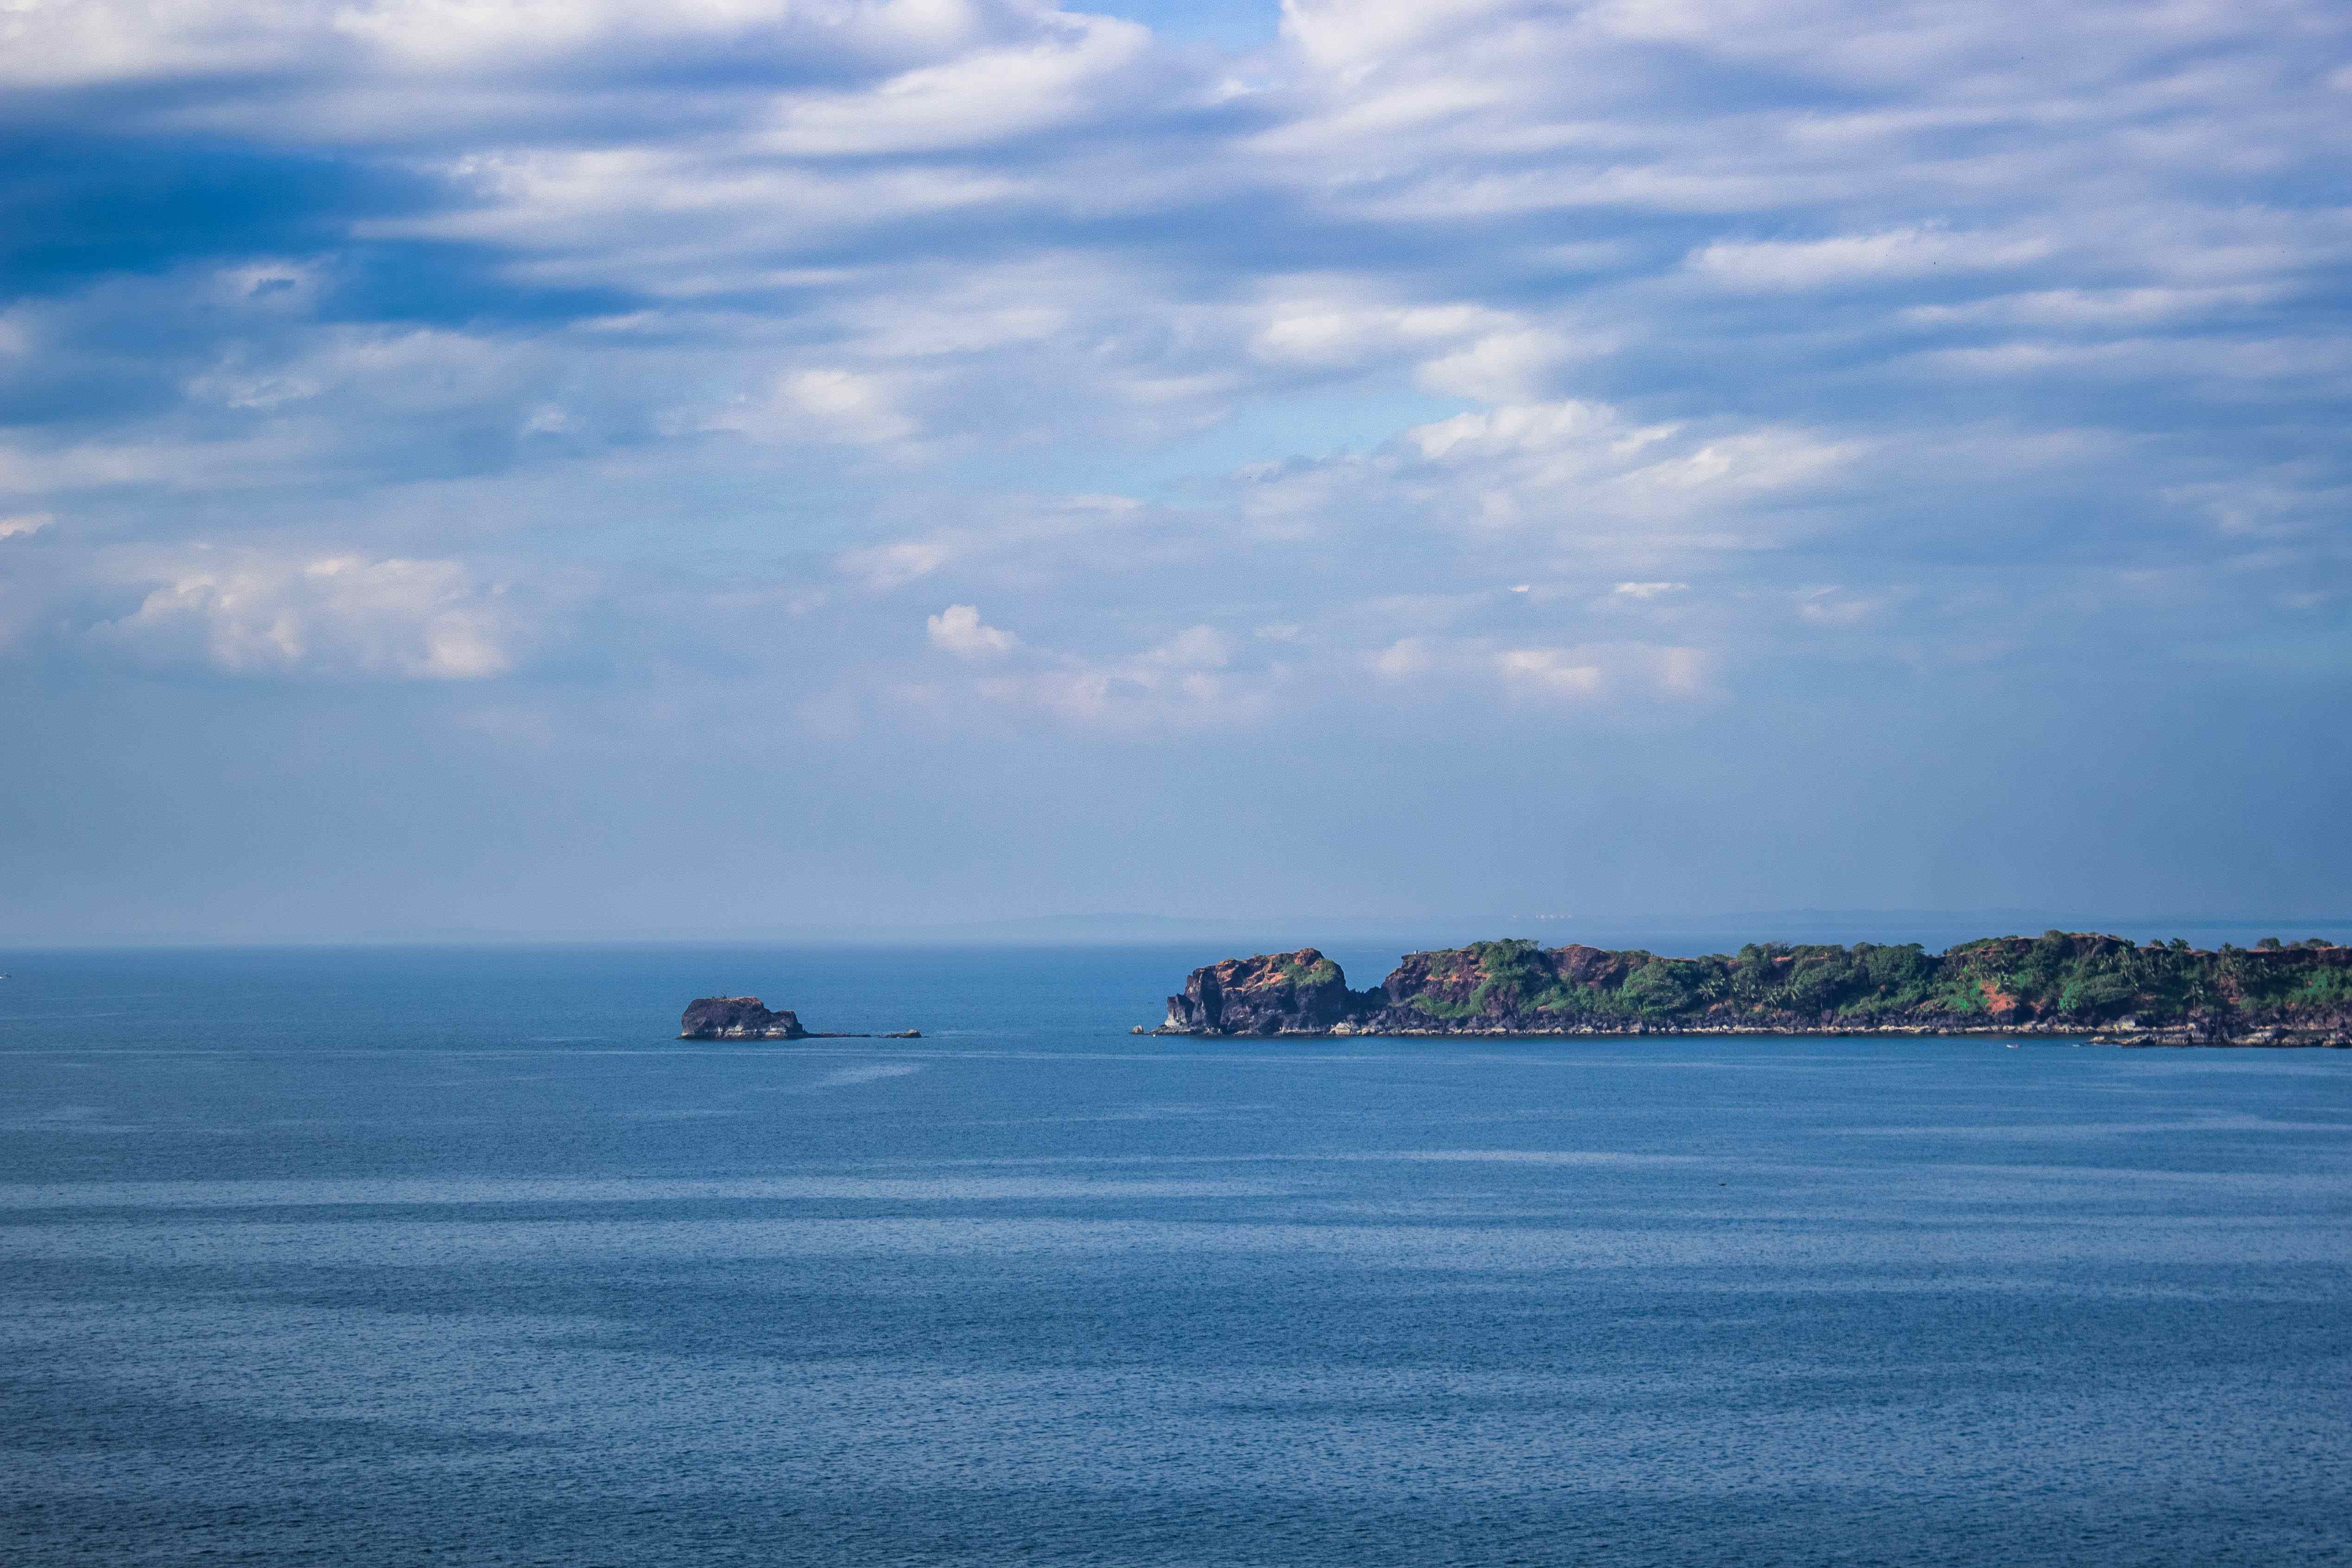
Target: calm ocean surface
(454, 1255)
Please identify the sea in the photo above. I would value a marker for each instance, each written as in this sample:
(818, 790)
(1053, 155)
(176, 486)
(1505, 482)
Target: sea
(454, 1256)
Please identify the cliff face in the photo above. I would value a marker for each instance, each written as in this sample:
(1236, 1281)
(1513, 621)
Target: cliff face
(1280, 993)
(736, 1018)
(2057, 983)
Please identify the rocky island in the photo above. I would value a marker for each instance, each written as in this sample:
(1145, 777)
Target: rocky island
(736, 1018)
(747, 1018)
(2060, 983)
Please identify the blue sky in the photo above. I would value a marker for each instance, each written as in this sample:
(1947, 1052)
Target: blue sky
(717, 465)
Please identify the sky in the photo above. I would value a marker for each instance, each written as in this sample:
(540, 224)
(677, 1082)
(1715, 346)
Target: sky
(722, 465)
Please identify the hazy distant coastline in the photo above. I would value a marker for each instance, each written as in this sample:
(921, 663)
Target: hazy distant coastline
(1934, 929)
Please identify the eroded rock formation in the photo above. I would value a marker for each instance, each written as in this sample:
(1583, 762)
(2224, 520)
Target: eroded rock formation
(1277, 993)
(736, 1018)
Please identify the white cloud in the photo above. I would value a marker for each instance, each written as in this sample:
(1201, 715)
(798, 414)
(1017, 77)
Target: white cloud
(24, 525)
(1194, 648)
(973, 276)
(896, 564)
(975, 99)
(332, 615)
(959, 630)
(1574, 472)
(1498, 368)
(2097, 309)
(1405, 656)
(1555, 671)
(1620, 671)
(1329, 321)
(828, 404)
(1536, 427)
(1835, 606)
(1184, 682)
(1612, 678)
(847, 405)
(74, 42)
(1904, 253)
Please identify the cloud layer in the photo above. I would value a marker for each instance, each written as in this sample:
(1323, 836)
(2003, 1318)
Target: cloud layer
(1602, 380)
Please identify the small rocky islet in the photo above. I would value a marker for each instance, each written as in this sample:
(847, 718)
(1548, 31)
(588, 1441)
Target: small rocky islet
(2061, 983)
(747, 1018)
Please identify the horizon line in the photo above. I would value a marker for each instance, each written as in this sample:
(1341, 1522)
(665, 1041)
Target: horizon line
(1041, 930)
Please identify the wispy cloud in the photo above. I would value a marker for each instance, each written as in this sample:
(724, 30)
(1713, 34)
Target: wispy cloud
(1565, 366)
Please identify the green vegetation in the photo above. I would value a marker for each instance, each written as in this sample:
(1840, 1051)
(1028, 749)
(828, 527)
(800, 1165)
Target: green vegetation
(2058, 976)
(1314, 974)
(2324, 989)
(1514, 971)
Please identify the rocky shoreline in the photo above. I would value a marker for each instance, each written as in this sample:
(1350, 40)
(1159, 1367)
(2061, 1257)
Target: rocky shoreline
(2100, 989)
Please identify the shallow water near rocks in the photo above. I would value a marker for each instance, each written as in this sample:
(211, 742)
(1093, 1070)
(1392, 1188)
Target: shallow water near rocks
(411, 1255)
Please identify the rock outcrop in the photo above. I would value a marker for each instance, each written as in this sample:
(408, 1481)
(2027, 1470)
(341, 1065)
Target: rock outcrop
(2067, 983)
(1279, 993)
(744, 1018)
(736, 1018)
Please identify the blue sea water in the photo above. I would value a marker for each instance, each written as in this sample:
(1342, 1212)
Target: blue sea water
(457, 1257)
